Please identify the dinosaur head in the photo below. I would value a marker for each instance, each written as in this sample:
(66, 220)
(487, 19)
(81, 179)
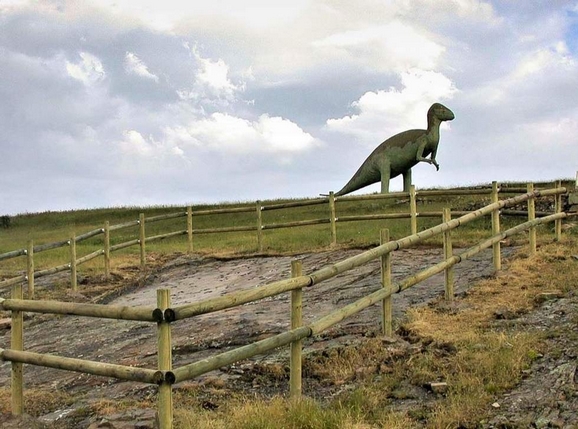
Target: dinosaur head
(440, 112)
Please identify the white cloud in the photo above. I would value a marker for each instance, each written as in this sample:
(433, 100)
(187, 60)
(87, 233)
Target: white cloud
(225, 133)
(391, 46)
(89, 70)
(134, 65)
(384, 113)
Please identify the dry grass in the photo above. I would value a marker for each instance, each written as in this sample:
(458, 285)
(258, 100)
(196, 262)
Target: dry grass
(459, 344)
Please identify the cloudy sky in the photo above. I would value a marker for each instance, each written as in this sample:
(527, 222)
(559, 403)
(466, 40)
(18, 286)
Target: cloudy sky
(140, 102)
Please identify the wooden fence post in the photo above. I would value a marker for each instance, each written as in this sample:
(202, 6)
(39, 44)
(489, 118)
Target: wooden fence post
(296, 346)
(107, 250)
(558, 208)
(259, 227)
(73, 278)
(189, 230)
(497, 258)
(413, 209)
(386, 304)
(141, 241)
(448, 253)
(30, 269)
(17, 343)
(332, 218)
(165, 399)
(531, 216)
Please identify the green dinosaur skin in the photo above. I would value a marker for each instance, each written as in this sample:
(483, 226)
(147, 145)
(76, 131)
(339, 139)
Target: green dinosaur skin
(398, 154)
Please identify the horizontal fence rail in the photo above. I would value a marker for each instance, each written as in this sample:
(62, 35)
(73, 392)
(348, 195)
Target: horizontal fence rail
(163, 314)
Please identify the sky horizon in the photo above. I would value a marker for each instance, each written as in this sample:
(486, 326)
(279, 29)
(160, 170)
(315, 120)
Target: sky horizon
(109, 103)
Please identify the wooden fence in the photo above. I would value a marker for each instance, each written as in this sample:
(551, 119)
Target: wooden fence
(164, 315)
(259, 227)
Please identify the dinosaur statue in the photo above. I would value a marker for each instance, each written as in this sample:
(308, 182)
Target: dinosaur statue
(398, 154)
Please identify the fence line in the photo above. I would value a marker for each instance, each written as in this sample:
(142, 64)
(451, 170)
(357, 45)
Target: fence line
(259, 227)
(164, 315)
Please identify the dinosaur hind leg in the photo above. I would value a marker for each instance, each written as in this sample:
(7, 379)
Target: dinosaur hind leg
(407, 180)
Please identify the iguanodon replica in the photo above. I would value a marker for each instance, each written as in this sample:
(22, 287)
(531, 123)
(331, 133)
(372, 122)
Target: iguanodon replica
(398, 154)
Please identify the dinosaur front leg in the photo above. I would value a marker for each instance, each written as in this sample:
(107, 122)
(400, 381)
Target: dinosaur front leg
(420, 158)
(385, 176)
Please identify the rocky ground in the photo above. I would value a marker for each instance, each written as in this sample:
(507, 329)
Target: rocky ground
(547, 397)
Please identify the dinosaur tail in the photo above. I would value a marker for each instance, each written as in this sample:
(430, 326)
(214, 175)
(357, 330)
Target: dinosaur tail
(363, 177)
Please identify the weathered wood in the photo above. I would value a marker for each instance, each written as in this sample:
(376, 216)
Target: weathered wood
(523, 213)
(124, 225)
(195, 369)
(386, 303)
(165, 236)
(53, 270)
(354, 218)
(370, 197)
(413, 209)
(89, 234)
(531, 216)
(17, 343)
(73, 278)
(295, 365)
(166, 216)
(304, 203)
(120, 372)
(259, 227)
(30, 269)
(142, 241)
(50, 246)
(558, 209)
(248, 209)
(89, 257)
(496, 252)
(239, 298)
(296, 223)
(332, 219)
(225, 229)
(9, 282)
(448, 253)
(452, 192)
(80, 309)
(124, 245)
(107, 250)
(189, 230)
(12, 254)
(165, 363)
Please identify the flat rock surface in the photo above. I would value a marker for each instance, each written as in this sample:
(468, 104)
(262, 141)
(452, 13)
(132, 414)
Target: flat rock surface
(192, 279)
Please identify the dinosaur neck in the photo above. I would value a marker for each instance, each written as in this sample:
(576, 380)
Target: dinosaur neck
(433, 129)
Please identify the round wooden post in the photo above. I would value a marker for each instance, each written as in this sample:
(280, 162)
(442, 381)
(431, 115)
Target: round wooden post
(259, 227)
(17, 343)
(296, 346)
(30, 269)
(531, 216)
(386, 304)
(558, 208)
(107, 250)
(448, 253)
(141, 241)
(413, 209)
(73, 279)
(496, 228)
(165, 399)
(189, 230)
(332, 218)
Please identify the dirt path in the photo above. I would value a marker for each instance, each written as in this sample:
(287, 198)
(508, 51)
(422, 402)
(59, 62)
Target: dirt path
(194, 279)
